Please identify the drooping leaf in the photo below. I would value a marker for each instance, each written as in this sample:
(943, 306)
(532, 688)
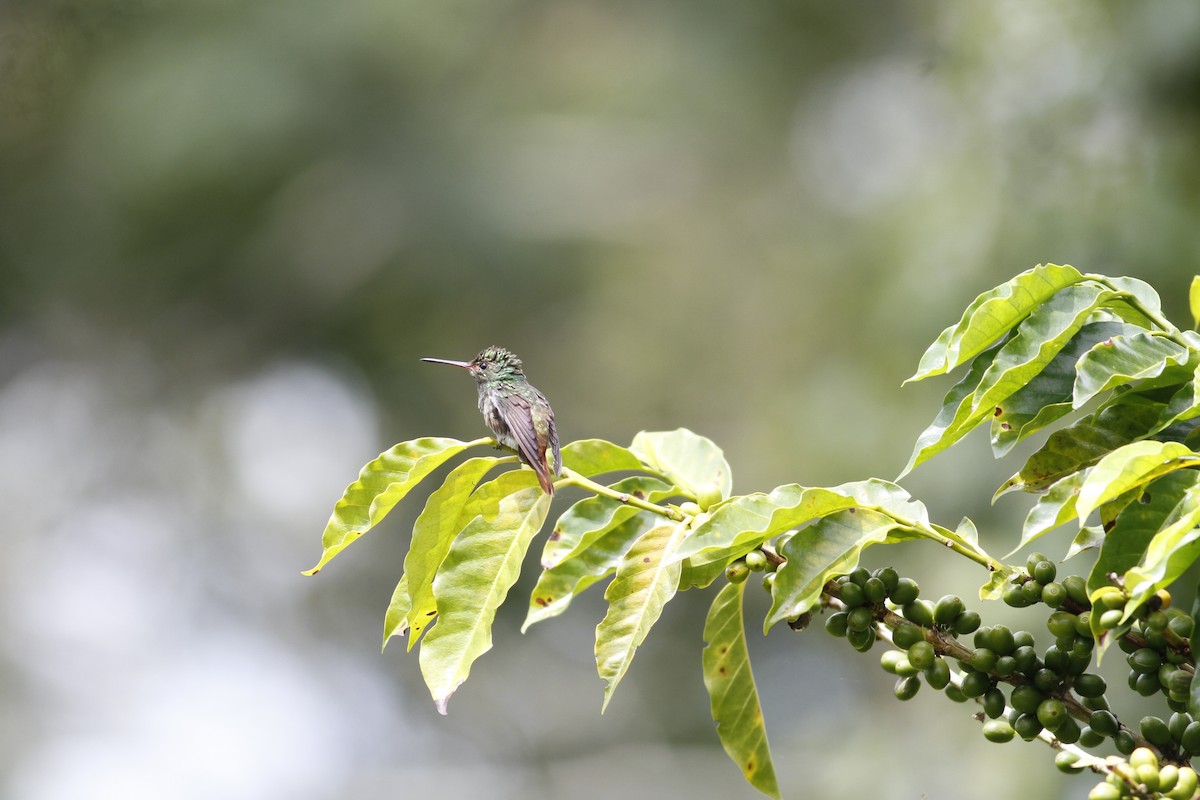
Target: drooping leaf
(749, 520)
(1138, 290)
(592, 517)
(557, 586)
(395, 621)
(1129, 467)
(1175, 498)
(732, 692)
(591, 457)
(1047, 396)
(380, 486)
(951, 422)
(446, 512)
(887, 496)
(1194, 301)
(1085, 443)
(1124, 359)
(993, 314)
(828, 547)
(483, 563)
(646, 580)
(688, 460)
(1089, 538)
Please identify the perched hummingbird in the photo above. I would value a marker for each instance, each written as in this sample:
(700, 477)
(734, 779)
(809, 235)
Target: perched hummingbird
(517, 413)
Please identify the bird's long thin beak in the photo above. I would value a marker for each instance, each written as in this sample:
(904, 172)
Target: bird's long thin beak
(462, 364)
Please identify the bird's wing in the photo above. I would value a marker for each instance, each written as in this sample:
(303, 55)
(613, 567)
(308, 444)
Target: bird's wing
(517, 416)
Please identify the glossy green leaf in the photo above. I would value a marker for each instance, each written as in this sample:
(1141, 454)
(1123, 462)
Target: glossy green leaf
(591, 457)
(829, 547)
(1138, 289)
(483, 563)
(732, 692)
(993, 314)
(688, 460)
(594, 516)
(1184, 404)
(380, 486)
(1089, 537)
(447, 511)
(749, 520)
(557, 586)
(1175, 500)
(1124, 359)
(395, 621)
(887, 496)
(646, 580)
(1129, 467)
(1084, 443)
(1037, 342)
(953, 420)
(698, 576)
(1047, 396)
(1055, 507)
(1194, 301)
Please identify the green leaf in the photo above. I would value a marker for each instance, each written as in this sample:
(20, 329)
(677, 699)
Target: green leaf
(993, 314)
(1056, 507)
(830, 546)
(1038, 340)
(1175, 497)
(1047, 396)
(951, 422)
(591, 457)
(732, 692)
(1194, 301)
(1182, 406)
(1084, 443)
(592, 517)
(1140, 290)
(699, 576)
(483, 563)
(1129, 467)
(1123, 359)
(747, 521)
(395, 621)
(446, 512)
(557, 586)
(646, 580)
(380, 486)
(686, 459)
(1089, 537)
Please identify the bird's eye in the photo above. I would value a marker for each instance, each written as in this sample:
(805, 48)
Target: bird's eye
(483, 365)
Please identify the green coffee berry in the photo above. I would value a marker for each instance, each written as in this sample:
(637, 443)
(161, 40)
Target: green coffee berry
(890, 578)
(1185, 785)
(1076, 590)
(982, 659)
(905, 592)
(874, 590)
(998, 730)
(954, 694)
(836, 623)
(1147, 776)
(1144, 660)
(1005, 666)
(906, 688)
(967, 622)
(1155, 731)
(891, 659)
(1089, 738)
(1057, 659)
(1026, 699)
(947, 609)
(1124, 742)
(852, 595)
(920, 612)
(1051, 713)
(1027, 726)
(1104, 791)
(1026, 658)
(1089, 685)
(921, 655)
(1178, 723)
(737, 572)
(1143, 757)
(937, 675)
(861, 640)
(1046, 680)
(1044, 572)
(1032, 590)
(860, 619)
(993, 702)
(1015, 597)
(1034, 559)
(859, 575)
(1181, 626)
(1146, 684)
(906, 635)
(1168, 776)
(1111, 619)
(974, 684)
(1002, 641)
(1068, 732)
(1023, 639)
(756, 560)
(1061, 624)
(1103, 723)
(1189, 740)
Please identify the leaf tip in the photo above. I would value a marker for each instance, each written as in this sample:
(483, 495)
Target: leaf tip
(310, 572)
(441, 703)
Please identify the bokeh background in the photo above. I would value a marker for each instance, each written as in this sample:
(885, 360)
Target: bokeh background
(228, 231)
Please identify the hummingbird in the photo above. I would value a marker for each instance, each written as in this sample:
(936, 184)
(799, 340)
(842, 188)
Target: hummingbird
(518, 415)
